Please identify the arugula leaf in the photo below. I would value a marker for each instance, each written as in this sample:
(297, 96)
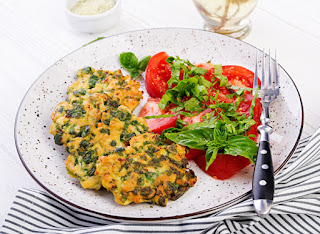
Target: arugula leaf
(195, 139)
(129, 61)
(144, 63)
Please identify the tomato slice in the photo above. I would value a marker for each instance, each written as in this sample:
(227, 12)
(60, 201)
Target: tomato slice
(224, 166)
(206, 66)
(237, 75)
(197, 118)
(194, 153)
(158, 72)
(160, 124)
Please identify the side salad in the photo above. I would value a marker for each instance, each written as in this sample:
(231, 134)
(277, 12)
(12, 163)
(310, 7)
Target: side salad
(209, 108)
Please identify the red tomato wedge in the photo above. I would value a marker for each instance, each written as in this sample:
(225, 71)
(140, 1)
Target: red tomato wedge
(194, 153)
(160, 124)
(237, 75)
(224, 166)
(158, 72)
(197, 118)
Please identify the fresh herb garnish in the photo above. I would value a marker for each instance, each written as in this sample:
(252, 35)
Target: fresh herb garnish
(223, 129)
(218, 140)
(98, 39)
(131, 63)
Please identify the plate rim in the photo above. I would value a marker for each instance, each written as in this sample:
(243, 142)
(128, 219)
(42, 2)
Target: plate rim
(159, 219)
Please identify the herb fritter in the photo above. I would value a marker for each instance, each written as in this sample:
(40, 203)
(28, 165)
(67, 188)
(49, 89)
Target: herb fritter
(146, 171)
(111, 147)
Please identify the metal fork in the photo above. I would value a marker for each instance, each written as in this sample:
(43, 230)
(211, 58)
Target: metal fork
(263, 178)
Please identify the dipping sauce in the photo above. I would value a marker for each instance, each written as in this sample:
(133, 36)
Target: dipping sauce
(92, 7)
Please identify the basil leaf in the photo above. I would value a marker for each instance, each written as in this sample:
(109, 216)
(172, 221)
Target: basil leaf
(99, 38)
(203, 81)
(175, 73)
(180, 123)
(129, 61)
(134, 73)
(188, 114)
(195, 139)
(243, 146)
(159, 116)
(253, 103)
(191, 104)
(170, 59)
(223, 80)
(211, 155)
(217, 70)
(210, 124)
(178, 108)
(252, 135)
(239, 88)
(167, 98)
(198, 70)
(144, 63)
(200, 92)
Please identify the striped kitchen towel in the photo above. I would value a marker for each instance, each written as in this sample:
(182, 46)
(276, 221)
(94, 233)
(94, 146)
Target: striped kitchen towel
(296, 208)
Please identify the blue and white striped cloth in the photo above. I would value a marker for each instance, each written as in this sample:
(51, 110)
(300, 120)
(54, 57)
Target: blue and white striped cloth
(296, 208)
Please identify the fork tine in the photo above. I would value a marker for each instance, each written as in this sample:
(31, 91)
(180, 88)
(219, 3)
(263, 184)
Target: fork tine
(255, 81)
(276, 74)
(262, 75)
(269, 77)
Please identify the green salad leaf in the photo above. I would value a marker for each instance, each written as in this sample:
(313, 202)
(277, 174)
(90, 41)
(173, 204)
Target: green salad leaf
(131, 63)
(195, 139)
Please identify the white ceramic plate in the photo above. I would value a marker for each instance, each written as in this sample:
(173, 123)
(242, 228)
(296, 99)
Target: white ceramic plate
(45, 161)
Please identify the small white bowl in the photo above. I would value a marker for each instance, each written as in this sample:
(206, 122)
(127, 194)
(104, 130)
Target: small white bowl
(93, 23)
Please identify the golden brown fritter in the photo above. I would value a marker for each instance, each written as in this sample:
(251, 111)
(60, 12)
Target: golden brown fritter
(110, 135)
(74, 119)
(83, 123)
(111, 147)
(146, 171)
(112, 83)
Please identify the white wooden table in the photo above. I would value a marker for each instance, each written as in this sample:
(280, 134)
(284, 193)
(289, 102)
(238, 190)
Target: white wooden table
(34, 34)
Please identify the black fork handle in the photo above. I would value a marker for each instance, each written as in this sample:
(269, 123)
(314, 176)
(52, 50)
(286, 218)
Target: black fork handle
(263, 177)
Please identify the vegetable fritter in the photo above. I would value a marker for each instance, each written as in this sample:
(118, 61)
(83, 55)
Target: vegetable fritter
(74, 119)
(110, 135)
(112, 83)
(146, 171)
(111, 147)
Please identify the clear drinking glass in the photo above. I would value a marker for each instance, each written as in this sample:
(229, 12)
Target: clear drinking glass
(228, 17)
